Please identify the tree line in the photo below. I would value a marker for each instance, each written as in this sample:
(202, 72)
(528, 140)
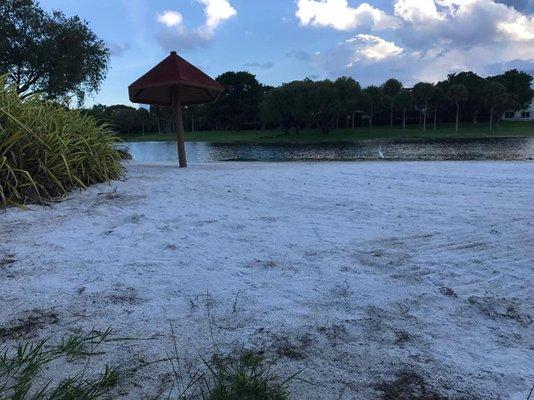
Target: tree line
(246, 104)
(61, 59)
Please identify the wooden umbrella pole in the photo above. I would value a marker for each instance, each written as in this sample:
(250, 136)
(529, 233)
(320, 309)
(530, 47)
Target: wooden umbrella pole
(180, 134)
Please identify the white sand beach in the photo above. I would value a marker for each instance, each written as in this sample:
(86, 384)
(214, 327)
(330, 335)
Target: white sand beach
(350, 272)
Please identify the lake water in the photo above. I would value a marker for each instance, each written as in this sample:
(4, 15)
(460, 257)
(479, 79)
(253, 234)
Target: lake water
(465, 149)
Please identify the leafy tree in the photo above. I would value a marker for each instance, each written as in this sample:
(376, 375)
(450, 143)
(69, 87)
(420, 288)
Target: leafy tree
(391, 89)
(239, 105)
(404, 102)
(48, 53)
(325, 104)
(437, 101)
(281, 106)
(422, 93)
(495, 97)
(458, 94)
(475, 86)
(520, 84)
(369, 101)
(349, 92)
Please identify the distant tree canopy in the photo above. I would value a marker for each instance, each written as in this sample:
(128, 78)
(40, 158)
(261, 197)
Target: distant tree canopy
(49, 53)
(247, 104)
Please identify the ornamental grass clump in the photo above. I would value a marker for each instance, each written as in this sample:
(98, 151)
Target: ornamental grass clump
(47, 150)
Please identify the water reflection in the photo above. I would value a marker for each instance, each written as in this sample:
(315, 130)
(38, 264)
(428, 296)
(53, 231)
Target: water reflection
(468, 149)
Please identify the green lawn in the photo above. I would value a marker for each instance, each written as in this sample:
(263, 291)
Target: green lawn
(506, 129)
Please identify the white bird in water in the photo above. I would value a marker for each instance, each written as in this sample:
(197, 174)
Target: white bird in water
(380, 154)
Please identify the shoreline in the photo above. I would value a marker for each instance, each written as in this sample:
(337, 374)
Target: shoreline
(139, 139)
(337, 142)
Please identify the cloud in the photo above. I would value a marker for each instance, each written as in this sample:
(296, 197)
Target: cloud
(338, 14)
(265, 65)
(117, 49)
(417, 11)
(369, 47)
(216, 11)
(432, 39)
(174, 34)
(461, 22)
(170, 18)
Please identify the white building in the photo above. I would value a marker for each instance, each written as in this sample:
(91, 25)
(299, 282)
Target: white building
(523, 115)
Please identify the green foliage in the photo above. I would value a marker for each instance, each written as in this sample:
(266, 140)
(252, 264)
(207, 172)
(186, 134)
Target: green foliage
(405, 100)
(302, 104)
(458, 93)
(349, 93)
(49, 53)
(371, 100)
(474, 86)
(21, 369)
(495, 95)
(289, 105)
(239, 105)
(422, 93)
(323, 105)
(519, 84)
(47, 150)
(391, 90)
(245, 377)
(438, 99)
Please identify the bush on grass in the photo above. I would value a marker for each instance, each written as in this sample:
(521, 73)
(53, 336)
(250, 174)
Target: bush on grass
(47, 150)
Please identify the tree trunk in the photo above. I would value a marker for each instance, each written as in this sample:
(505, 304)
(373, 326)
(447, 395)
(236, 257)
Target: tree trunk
(491, 119)
(180, 134)
(353, 117)
(457, 116)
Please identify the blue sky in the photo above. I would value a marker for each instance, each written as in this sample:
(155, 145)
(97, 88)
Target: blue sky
(284, 40)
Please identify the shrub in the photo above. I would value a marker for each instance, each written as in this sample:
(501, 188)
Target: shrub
(47, 150)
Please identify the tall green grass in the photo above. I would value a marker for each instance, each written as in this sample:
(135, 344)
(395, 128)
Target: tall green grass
(47, 150)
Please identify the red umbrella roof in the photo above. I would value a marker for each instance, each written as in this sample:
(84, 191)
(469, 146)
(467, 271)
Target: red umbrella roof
(157, 85)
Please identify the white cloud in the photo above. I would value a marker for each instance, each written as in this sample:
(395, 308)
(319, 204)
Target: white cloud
(433, 38)
(216, 11)
(374, 48)
(175, 34)
(338, 14)
(417, 11)
(522, 28)
(170, 18)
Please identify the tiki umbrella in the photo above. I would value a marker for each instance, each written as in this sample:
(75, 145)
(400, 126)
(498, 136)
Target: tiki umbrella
(175, 83)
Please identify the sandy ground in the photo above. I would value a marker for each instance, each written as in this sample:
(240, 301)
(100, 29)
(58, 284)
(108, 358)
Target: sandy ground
(350, 271)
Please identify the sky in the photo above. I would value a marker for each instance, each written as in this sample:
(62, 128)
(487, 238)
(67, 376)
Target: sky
(284, 40)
